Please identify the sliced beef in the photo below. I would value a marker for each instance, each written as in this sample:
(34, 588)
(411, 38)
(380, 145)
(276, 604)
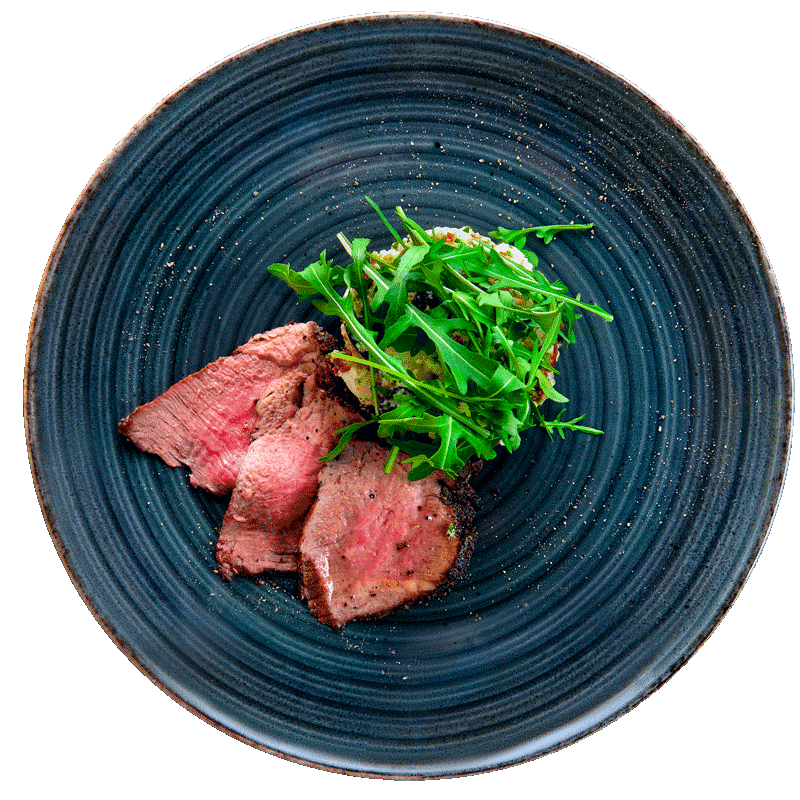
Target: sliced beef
(206, 420)
(373, 542)
(296, 425)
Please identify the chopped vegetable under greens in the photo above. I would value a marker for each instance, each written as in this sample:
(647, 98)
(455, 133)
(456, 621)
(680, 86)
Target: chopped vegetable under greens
(480, 322)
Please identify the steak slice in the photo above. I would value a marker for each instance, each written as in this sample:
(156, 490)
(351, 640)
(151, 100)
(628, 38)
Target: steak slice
(205, 421)
(277, 483)
(373, 542)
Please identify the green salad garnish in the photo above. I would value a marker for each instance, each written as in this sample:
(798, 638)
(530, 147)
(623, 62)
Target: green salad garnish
(452, 336)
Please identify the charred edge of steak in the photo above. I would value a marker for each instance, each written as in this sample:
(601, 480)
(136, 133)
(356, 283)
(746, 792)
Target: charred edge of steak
(327, 342)
(332, 385)
(464, 502)
(327, 379)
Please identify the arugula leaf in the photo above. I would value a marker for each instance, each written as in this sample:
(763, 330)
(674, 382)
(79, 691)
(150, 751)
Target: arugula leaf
(345, 435)
(559, 426)
(302, 287)
(383, 219)
(548, 389)
(396, 295)
(483, 321)
(547, 233)
(461, 362)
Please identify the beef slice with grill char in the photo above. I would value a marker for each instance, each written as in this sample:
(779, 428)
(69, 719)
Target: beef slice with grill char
(373, 542)
(296, 425)
(205, 421)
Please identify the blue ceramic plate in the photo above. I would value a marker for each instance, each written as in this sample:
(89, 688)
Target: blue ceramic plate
(603, 562)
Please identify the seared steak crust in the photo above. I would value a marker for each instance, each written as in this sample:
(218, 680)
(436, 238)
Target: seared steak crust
(373, 542)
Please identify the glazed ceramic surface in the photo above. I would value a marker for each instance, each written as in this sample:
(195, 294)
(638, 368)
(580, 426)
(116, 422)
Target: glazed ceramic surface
(602, 562)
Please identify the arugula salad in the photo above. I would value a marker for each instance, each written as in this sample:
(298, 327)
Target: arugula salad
(448, 339)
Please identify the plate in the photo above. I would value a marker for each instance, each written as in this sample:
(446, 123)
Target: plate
(603, 562)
